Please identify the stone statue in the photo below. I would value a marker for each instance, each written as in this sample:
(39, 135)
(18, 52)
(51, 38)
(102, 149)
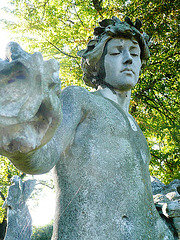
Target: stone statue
(19, 222)
(100, 155)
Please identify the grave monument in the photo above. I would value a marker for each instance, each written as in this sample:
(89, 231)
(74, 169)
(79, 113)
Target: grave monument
(101, 157)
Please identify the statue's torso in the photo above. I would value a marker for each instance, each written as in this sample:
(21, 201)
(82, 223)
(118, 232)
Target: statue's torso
(104, 179)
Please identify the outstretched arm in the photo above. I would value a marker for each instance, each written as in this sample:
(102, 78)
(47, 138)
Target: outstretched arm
(43, 159)
(33, 130)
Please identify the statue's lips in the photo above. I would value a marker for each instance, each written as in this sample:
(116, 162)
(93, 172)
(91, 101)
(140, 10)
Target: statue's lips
(128, 70)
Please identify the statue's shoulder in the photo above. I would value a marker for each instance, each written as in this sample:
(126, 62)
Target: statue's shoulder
(75, 93)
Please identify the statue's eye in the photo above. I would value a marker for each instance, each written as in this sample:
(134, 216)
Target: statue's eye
(115, 53)
(134, 54)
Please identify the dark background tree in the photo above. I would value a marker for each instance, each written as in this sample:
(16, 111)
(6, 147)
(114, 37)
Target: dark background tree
(60, 28)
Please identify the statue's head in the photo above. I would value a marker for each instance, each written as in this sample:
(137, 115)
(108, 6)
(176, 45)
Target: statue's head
(102, 58)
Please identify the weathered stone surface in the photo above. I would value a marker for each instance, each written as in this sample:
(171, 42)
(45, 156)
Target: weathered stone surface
(19, 222)
(103, 183)
(167, 201)
(176, 222)
(102, 179)
(157, 185)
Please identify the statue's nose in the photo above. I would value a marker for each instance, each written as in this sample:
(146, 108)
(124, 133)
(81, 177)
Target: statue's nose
(127, 58)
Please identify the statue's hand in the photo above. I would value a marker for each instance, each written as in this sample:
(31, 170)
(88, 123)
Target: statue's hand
(30, 109)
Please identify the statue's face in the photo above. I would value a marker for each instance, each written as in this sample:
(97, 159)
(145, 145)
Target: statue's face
(122, 63)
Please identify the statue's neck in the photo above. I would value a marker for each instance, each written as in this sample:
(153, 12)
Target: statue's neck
(120, 97)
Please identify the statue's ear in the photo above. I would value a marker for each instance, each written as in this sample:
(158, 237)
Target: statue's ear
(28, 187)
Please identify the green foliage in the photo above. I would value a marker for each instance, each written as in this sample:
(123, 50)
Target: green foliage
(42, 233)
(7, 171)
(61, 28)
(156, 98)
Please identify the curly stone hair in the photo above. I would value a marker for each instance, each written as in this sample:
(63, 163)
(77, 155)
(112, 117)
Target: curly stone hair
(108, 29)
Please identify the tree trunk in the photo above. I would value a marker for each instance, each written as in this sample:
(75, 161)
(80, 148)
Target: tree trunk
(3, 229)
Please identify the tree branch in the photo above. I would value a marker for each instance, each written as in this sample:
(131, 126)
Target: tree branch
(165, 109)
(156, 106)
(159, 165)
(68, 55)
(79, 17)
(2, 196)
(44, 7)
